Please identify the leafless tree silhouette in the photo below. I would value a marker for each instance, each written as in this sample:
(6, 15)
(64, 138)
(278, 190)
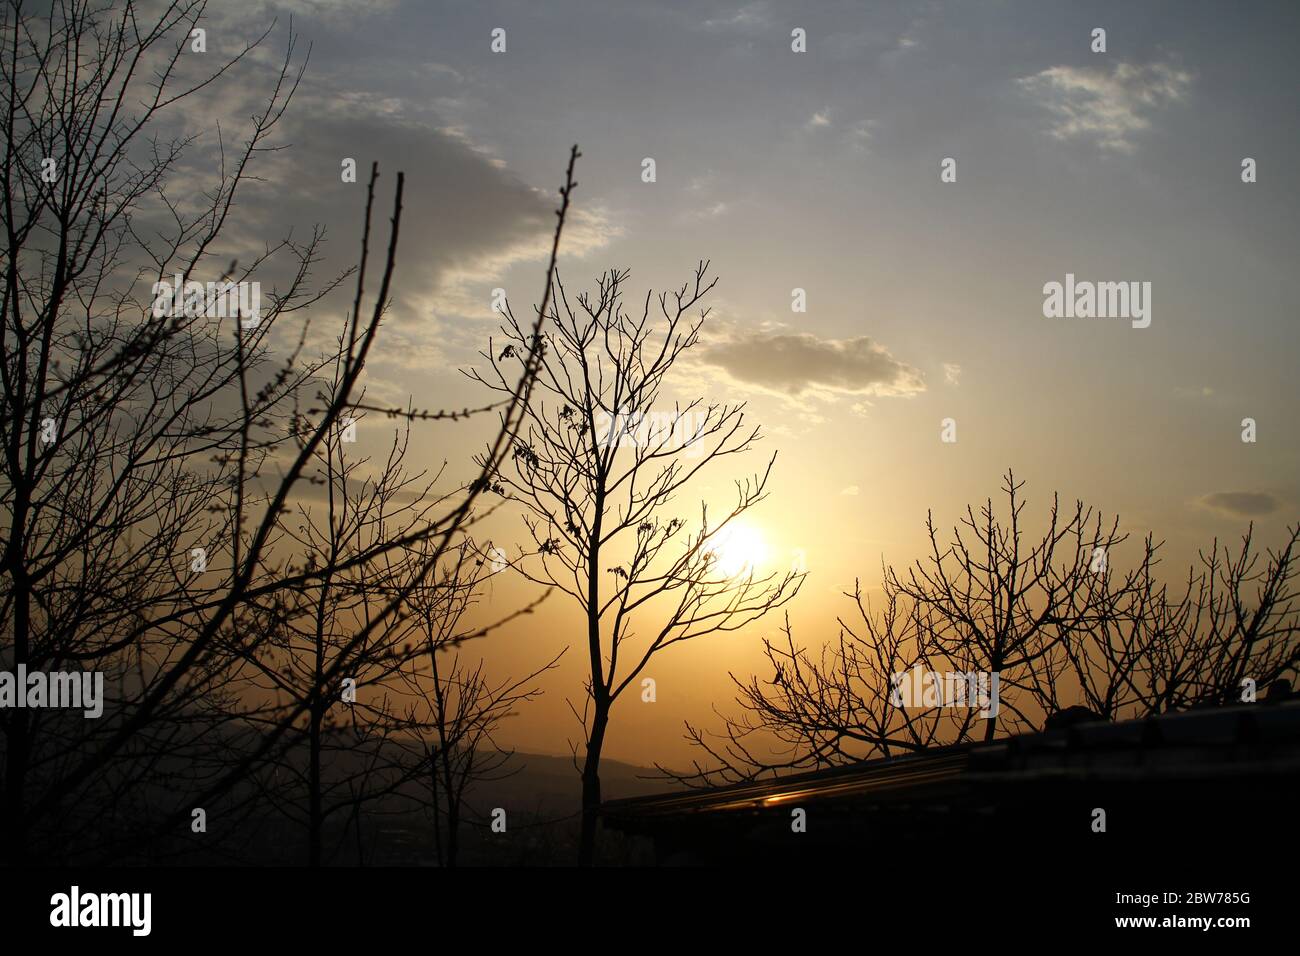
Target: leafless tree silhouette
(150, 461)
(310, 624)
(454, 709)
(597, 468)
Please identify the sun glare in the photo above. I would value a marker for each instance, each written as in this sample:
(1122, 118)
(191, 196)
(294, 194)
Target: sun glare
(739, 549)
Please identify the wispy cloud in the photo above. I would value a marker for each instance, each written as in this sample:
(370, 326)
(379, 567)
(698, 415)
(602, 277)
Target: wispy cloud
(708, 211)
(1107, 106)
(859, 136)
(749, 17)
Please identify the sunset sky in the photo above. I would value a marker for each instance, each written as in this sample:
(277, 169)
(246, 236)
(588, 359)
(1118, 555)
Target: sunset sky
(820, 170)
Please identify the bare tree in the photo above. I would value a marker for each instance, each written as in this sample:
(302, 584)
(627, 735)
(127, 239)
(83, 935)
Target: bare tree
(597, 468)
(999, 604)
(149, 457)
(454, 710)
(1237, 623)
(109, 406)
(829, 707)
(310, 624)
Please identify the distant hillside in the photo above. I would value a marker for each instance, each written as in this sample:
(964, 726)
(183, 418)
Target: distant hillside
(552, 785)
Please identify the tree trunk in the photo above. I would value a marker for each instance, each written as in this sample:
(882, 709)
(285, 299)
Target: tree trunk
(15, 769)
(437, 815)
(453, 825)
(591, 783)
(991, 724)
(314, 826)
(18, 733)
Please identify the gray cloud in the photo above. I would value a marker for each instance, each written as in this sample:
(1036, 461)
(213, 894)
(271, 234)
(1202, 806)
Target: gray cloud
(1242, 504)
(796, 363)
(463, 214)
(466, 221)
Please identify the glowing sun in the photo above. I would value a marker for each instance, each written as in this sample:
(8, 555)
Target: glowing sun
(738, 549)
